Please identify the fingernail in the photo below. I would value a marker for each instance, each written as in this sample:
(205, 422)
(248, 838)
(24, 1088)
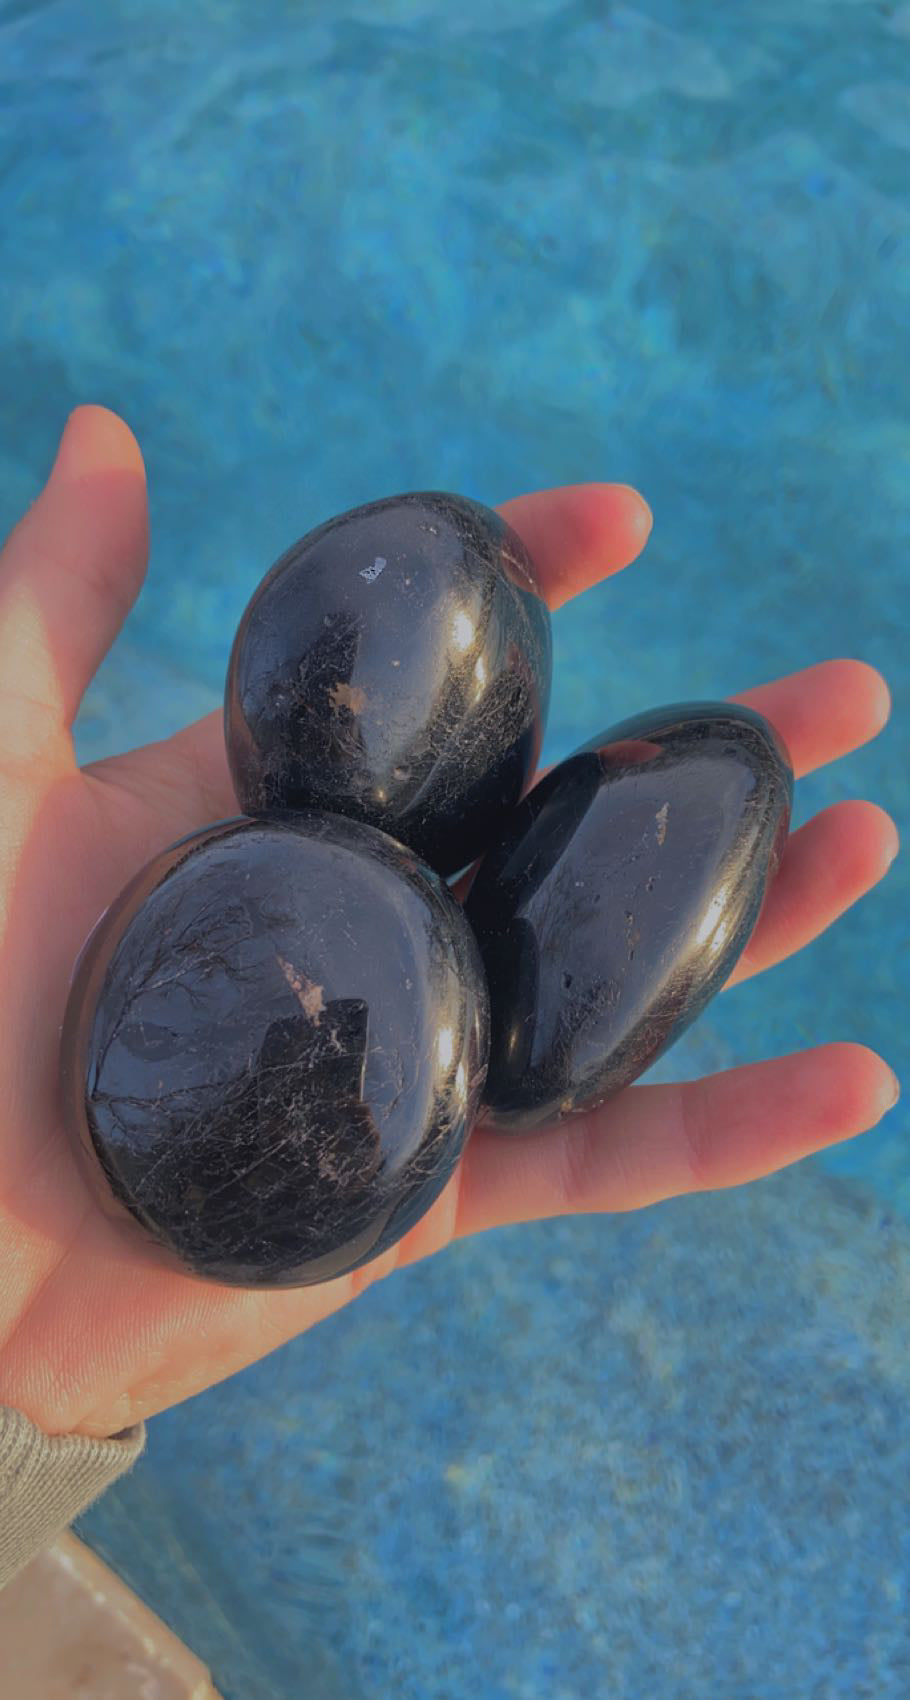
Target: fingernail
(892, 844)
(638, 516)
(884, 702)
(95, 440)
(63, 452)
(891, 1091)
(645, 517)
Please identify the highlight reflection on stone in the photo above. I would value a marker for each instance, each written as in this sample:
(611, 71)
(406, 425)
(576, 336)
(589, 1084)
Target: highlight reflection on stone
(394, 666)
(274, 1048)
(618, 899)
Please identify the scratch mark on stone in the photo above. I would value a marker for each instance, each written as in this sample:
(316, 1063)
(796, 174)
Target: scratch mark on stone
(661, 819)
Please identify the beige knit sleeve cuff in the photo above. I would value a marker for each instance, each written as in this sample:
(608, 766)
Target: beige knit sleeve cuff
(47, 1480)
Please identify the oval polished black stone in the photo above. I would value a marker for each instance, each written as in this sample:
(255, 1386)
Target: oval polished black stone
(274, 1048)
(619, 898)
(394, 666)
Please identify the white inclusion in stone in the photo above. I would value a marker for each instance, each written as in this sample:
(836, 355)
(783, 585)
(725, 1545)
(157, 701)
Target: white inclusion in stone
(370, 573)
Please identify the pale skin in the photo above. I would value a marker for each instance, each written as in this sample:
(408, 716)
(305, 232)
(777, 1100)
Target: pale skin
(94, 1334)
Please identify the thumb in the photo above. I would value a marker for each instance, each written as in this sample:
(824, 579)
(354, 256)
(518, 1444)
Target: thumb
(69, 574)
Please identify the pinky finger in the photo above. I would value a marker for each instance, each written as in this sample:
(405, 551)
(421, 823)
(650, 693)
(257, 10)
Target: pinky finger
(657, 1142)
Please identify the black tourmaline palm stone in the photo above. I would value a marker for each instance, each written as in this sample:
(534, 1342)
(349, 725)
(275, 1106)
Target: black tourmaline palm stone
(619, 898)
(274, 1048)
(394, 666)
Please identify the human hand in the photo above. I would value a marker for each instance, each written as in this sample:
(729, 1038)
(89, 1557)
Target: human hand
(94, 1334)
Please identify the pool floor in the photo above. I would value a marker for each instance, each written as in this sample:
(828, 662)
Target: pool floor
(318, 255)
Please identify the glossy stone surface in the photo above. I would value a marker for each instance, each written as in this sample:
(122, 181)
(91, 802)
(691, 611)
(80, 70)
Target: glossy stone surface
(274, 1048)
(619, 899)
(394, 666)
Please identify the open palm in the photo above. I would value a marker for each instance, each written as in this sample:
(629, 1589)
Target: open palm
(93, 1332)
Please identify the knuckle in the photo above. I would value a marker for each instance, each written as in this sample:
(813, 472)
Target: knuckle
(575, 1177)
(694, 1128)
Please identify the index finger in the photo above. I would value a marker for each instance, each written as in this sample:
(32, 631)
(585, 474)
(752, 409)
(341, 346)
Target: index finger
(579, 534)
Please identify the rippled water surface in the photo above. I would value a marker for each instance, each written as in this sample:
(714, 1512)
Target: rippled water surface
(319, 254)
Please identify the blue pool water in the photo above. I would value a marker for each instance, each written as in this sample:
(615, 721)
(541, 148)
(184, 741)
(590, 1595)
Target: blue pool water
(319, 254)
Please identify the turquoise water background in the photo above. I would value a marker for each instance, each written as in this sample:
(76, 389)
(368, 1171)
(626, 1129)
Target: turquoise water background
(316, 255)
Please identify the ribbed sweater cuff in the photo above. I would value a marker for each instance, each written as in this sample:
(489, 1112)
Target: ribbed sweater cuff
(47, 1480)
